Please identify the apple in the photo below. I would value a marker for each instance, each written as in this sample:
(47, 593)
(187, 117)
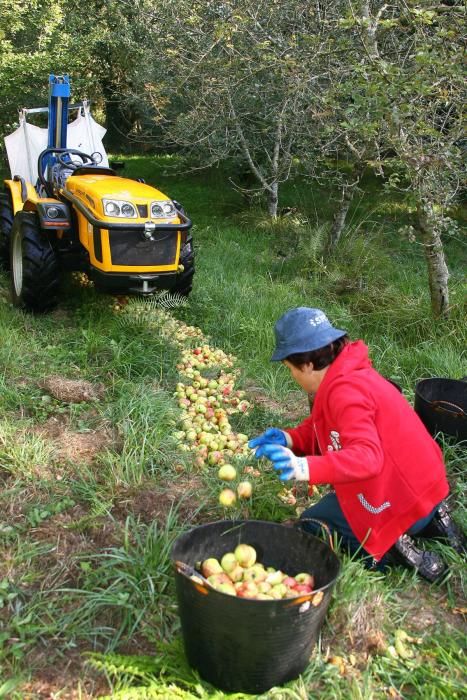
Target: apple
(248, 590)
(236, 575)
(211, 566)
(275, 577)
(264, 587)
(263, 596)
(245, 555)
(227, 498)
(307, 579)
(303, 588)
(227, 472)
(289, 581)
(217, 579)
(244, 489)
(226, 588)
(255, 573)
(291, 593)
(229, 562)
(215, 457)
(278, 591)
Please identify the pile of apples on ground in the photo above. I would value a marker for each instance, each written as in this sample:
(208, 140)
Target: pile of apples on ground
(207, 404)
(239, 574)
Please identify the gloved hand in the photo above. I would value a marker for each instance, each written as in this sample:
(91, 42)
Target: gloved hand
(287, 465)
(272, 436)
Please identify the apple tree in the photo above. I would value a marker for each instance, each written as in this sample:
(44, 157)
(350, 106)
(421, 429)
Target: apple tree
(242, 73)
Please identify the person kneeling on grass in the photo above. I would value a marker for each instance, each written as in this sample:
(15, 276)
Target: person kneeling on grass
(366, 441)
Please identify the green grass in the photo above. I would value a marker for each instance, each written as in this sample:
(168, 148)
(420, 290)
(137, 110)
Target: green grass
(84, 542)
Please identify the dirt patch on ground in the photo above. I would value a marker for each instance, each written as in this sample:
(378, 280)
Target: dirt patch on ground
(73, 679)
(149, 503)
(429, 608)
(72, 446)
(72, 390)
(293, 409)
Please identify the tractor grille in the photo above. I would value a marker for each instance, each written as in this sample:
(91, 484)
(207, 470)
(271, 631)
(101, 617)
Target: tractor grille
(130, 248)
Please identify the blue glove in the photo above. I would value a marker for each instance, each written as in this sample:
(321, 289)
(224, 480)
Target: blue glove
(287, 465)
(272, 436)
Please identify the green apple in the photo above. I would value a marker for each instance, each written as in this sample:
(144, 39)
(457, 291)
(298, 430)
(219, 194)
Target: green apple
(246, 555)
(211, 566)
(229, 562)
(227, 498)
(227, 472)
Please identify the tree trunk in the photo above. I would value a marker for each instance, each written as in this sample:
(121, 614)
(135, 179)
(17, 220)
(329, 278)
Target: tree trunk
(438, 273)
(339, 218)
(273, 199)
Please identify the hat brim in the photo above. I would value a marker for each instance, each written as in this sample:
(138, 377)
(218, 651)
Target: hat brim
(284, 350)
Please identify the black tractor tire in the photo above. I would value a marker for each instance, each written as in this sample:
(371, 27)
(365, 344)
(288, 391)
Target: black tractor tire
(6, 225)
(34, 265)
(184, 283)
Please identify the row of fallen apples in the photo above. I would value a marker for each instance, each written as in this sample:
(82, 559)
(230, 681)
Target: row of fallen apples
(206, 405)
(206, 402)
(238, 573)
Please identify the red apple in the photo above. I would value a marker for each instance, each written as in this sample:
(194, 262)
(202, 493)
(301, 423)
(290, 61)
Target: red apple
(307, 579)
(289, 581)
(248, 590)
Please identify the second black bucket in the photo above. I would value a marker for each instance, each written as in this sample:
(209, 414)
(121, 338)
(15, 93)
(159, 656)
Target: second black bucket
(249, 646)
(442, 406)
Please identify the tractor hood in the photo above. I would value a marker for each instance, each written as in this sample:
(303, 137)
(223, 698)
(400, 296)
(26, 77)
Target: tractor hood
(92, 189)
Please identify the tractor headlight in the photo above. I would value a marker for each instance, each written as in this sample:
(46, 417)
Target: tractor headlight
(163, 210)
(124, 210)
(52, 212)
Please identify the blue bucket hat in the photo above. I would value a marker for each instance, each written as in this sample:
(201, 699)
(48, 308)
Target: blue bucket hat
(303, 330)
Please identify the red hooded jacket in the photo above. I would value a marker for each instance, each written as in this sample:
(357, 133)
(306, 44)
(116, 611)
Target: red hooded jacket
(386, 469)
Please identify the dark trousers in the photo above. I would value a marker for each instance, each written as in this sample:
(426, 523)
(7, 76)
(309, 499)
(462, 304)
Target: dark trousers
(328, 511)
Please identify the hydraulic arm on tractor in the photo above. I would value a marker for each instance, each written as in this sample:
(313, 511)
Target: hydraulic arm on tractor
(65, 209)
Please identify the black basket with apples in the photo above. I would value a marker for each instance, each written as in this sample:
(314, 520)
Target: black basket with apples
(245, 644)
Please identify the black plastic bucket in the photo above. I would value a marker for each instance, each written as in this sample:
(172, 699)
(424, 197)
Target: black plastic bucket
(243, 645)
(442, 406)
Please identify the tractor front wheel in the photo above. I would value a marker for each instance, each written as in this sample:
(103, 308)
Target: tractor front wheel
(35, 272)
(6, 224)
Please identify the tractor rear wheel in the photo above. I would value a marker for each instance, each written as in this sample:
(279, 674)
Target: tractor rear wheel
(184, 283)
(6, 224)
(35, 272)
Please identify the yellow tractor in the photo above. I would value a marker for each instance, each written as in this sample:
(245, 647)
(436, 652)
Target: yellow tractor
(127, 236)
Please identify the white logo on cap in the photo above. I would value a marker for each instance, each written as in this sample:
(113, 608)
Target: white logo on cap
(318, 320)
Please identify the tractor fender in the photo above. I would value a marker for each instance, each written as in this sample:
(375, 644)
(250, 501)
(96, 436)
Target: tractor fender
(20, 191)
